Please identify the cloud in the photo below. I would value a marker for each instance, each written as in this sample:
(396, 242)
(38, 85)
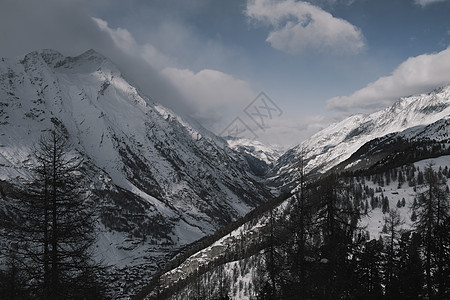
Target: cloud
(125, 41)
(331, 3)
(424, 3)
(212, 94)
(209, 94)
(300, 26)
(289, 130)
(416, 75)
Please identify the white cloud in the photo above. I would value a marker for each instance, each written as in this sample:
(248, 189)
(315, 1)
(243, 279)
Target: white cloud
(290, 130)
(424, 3)
(208, 95)
(416, 75)
(123, 40)
(300, 26)
(214, 95)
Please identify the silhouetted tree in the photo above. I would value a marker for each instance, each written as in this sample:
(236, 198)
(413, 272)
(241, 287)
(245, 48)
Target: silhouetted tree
(369, 271)
(432, 208)
(392, 223)
(52, 224)
(337, 221)
(410, 273)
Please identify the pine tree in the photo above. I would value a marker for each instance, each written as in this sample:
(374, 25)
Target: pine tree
(392, 223)
(54, 228)
(401, 179)
(337, 220)
(432, 208)
(385, 204)
(273, 259)
(296, 252)
(410, 274)
(368, 270)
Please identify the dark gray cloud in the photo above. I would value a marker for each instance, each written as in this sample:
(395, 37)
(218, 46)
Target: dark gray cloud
(32, 25)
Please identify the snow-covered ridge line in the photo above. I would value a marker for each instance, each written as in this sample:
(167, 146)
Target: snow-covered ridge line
(339, 141)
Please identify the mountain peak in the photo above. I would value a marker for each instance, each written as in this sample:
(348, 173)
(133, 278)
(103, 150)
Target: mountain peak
(87, 62)
(50, 53)
(91, 54)
(91, 59)
(419, 108)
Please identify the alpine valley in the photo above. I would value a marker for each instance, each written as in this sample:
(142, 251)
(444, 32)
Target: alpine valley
(185, 214)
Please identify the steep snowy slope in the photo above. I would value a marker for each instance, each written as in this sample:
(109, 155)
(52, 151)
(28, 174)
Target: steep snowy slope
(157, 177)
(410, 145)
(339, 141)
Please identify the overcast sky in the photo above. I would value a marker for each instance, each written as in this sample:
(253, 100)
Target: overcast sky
(318, 61)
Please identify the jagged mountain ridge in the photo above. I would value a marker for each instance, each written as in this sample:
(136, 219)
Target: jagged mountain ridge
(156, 176)
(412, 144)
(339, 141)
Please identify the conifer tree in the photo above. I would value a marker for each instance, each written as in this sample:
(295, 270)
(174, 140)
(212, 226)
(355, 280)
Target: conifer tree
(368, 270)
(392, 223)
(297, 249)
(337, 221)
(410, 274)
(53, 225)
(432, 209)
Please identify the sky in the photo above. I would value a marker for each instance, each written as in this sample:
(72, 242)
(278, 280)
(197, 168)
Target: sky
(274, 70)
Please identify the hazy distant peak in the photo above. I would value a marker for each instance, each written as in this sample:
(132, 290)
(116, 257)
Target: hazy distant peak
(87, 62)
(91, 55)
(51, 57)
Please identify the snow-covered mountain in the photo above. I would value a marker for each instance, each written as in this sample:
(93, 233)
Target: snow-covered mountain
(339, 141)
(418, 142)
(259, 156)
(161, 181)
(265, 152)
